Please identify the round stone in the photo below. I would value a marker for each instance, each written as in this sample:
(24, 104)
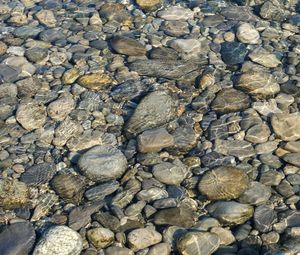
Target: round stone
(100, 237)
(256, 194)
(59, 109)
(246, 33)
(95, 81)
(286, 126)
(102, 163)
(148, 5)
(59, 240)
(36, 54)
(201, 243)
(233, 52)
(128, 46)
(223, 183)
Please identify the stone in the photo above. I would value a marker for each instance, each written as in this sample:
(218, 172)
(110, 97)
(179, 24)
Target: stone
(175, 13)
(175, 28)
(116, 250)
(256, 194)
(9, 74)
(202, 243)
(85, 141)
(270, 11)
(240, 13)
(233, 53)
(142, 238)
(127, 46)
(160, 249)
(51, 35)
(223, 183)
(21, 63)
(264, 58)
(271, 178)
(260, 85)
(154, 140)
(99, 44)
(102, 190)
(3, 48)
(70, 76)
(264, 216)
(230, 212)
(258, 133)
(239, 149)
(170, 173)
(292, 146)
(59, 240)
(225, 235)
(59, 109)
(100, 237)
(150, 107)
(27, 87)
(246, 33)
(292, 158)
(25, 32)
(286, 126)
(95, 81)
(230, 100)
(163, 53)
(17, 238)
(31, 114)
(266, 108)
(36, 55)
(102, 163)
(46, 17)
(187, 46)
(152, 194)
(115, 12)
(148, 5)
(177, 216)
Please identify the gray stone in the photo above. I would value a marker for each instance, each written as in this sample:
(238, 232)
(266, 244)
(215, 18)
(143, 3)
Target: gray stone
(160, 249)
(286, 126)
(116, 250)
(292, 158)
(258, 133)
(256, 194)
(128, 46)
(152, 194)
(36, 54)
(270, 11)
(246, 33)
(9, 73)
(265, 58)
(271, 178)
(233, 52)
(103, 163)
(264, 217)
(175, 28)
(175, 13)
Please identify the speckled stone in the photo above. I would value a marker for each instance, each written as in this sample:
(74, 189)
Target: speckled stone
(286, 126)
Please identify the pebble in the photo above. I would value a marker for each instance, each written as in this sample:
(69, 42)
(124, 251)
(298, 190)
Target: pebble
(94, 81)
(113, 250)
(100, 237)
(285, 126)
(46, 17)
(256, 194)
(175, 13)
(246, 33)
(258, 133)
(233, 52)
(59, 240)
(59, 109)
(264, 58)
(225, 235)
(264, 216)
(148, 5)
(160, 249)
(128, 46)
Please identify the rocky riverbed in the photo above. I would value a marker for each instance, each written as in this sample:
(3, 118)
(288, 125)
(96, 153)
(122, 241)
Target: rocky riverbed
(149, 127)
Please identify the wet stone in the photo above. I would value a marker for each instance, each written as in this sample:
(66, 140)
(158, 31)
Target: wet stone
(36, 54)
(264, 58)
(175, 13)
(148, 5)
(271, 178)
(258, 134)
(175, 28)
(264, 216)
(38, 174)
(270, 11)
(100, 237)
(223, 183)
(286, 126)
(100, 191)
(246, 33)
(95, 81)
(160, 249)
(113, 250)
(292, 158)
(233, 52)
(256, 194)
(128, 46)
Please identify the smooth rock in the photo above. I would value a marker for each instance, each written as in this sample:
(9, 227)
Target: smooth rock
(95, 81)
(263, 217)
(70, 76)
(230, 212)
(100, 237)
(258, 133)
(256, 194)
(60, 108)
(174, 28)
(246, 33)
(201, 243)
(223, 183)
(286, 126)
(292, 146)
(116, 250)
(270, 11)
(160, 249)
(46, 17)
(36, 54)
(264, 58)
(148, 5)
(271, 178)
(128, 46)
(103, 163)
(175, 13)
(59, 240)
(225, 235)
(292, 158)
(142, 238)
(233, 52)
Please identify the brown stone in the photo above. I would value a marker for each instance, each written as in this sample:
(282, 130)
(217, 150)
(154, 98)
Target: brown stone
(95, 81)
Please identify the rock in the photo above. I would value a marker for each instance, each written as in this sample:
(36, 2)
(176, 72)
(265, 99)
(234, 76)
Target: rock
(170, 174)
(60, 108)
(9, 74)
(230, 100)
(239, 149)
(128, 46)
(103, 163)
(148, 5)
(115, 250)
(3, 48)
(225, 235)
(202, 243)
(152, 194)
(85, 141)
(256, 194)
(223, 183)
(240, 13)
(45, 203)
(100, 237)
(292, 146)
(175, 13)
(70, 76)
(36, 55)
(95, 81)
(233, 53)
(292, 158)
(38, 174)
(260, 85)
(264, 58)
(59, 240)
(115, 12)
(13, 194)
(164, 53)
(271, 178)
(142, 238)
(46, 17)
(230, 212)
(146, 114)
(270, 11)
(187, 46)
(21, 63)
(52, 35)
(266, 108)
(160, 249)
(246, 33)
(17, 239)
(31, 114)
(102, 190)
(25, 32)
(286, 126)
(98, 44)
(264, 217)
(177, 216)
(27, 87)
(154, 140)
(258, 133)
(174, 28)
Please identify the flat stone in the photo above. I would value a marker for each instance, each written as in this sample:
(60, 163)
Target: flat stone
(17, 238)
(186, 46)
(246, 33)
(154, 140)
(225, 235)
(36, 54)
(239, 149)
(152, 194)
(230, 212)
(292, 146)
(103, 163)
(258, 133)
(141, 238)
(286, 126)
(256, 194)
(21, 63)
(52, 35)
(31, 114)
(160, 249)
(9, 74)
(60, 108)
(223, 183)
(38, 174)
(46, 17)
(230, 100)
(100, 237)
(170, 174)
(70, 76)
(264, 216)
(175, 13)
(292, 158)
(148, 5)
(59, 240)
(266, 108)
(175, 28)
(233, 52)
(240, 13)
(177, 216)
(264, 58)
(271, 178)
(146, 114)
(115, 12)
(85, 141)
(95, 81)
(270, 11)
(202, 243)
(260, 85)
(127, 46)
(116, 250)
(25, 32)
